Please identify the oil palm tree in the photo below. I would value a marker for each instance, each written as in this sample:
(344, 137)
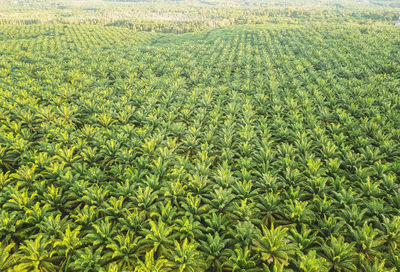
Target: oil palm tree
(339, 254)
(158, 238)
(87, 260)
(311, 262)
(124, 249)
(36, 255)
(186, 258)
(7, 258)
(273, 246)
(152, 265)
(242, 260)
(216, 250)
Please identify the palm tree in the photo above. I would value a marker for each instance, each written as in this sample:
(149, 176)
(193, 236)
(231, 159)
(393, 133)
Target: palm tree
(85, 216)
(7, 258)
(159, 238)
(339, 254)
(7, 158)
(188, 227)
(330, 225)
(199, 184)
(95, 195)
(242, 260)
(311, 262)
(167, 212)
(66, 155)
(216, 249)
(244, 189)
(215, 223)
(368, 241)
(150, 265)
(101, 233)
(53, 226)
(5, 179)
(354, 216)
(87, 260)
(55, 198)
(304, 239)
(145, 198)
(68, 243)
(273, 245)
(243, 233)
(36, 255)
(8, 224)
(268, 205)
(220, 200)
(26, 175)
(390, 229)
(20, 199)
(376, 266)
(185, 258)
(134, 219)
(124, 249)
(299, 213)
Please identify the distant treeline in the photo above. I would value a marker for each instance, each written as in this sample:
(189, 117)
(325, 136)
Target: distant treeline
(186, 19)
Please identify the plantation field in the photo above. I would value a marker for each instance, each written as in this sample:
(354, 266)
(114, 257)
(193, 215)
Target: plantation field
(243, 148)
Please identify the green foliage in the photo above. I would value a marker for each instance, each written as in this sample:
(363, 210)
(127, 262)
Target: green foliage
(273, 245)
(266, 147)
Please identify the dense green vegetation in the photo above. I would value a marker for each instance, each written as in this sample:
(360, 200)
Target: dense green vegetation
(268, 147)
(190, 16)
